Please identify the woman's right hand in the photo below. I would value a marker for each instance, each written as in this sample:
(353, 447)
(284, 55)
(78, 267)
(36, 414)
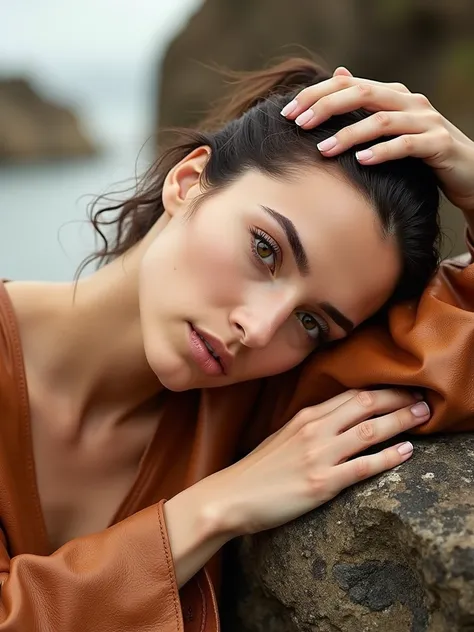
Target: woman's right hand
(308, 461)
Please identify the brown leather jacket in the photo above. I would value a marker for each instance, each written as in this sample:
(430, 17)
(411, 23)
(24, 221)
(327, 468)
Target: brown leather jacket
(123, 578)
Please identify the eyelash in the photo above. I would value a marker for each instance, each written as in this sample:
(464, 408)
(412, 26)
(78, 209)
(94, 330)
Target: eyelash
(259, 235)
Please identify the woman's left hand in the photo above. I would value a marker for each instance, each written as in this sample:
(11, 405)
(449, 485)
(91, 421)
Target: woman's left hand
(419, 129)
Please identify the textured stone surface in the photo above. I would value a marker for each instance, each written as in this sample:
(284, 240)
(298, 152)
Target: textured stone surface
(34, 129)
(393, 554)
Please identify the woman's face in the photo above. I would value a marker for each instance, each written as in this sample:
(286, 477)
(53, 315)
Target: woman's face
(267, 270)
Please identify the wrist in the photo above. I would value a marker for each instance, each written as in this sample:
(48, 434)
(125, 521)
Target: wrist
(219, 514)
(196, 531)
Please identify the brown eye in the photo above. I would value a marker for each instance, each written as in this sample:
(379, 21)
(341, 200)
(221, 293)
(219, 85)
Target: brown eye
(316, 329)
(309, 323)
(264, 250)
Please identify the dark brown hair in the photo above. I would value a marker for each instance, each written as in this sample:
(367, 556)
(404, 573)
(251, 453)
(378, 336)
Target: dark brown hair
(248, 132)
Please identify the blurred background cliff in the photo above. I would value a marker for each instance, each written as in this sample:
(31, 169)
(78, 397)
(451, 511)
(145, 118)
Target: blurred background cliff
(85, 84)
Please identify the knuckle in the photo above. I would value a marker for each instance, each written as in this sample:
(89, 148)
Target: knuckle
(346, 135)
(365, 89)
(365, 431)
(318, 484)
(383, 151)
(342, 81)
(398, 392)
(421, 100)
(305, 94)
(382, 119)
(408, 142)
(445, 138)
(402, 396)
(402, 419)
(436, 118)
(390, 458)
(307, 432)
(361, 468)
(366, 399)
(325, 104)
(304, 416)
(400, 87)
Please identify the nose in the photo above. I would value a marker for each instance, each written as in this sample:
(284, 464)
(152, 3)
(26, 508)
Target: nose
(258, 321)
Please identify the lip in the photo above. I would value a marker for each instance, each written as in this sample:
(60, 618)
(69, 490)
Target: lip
(225, 357)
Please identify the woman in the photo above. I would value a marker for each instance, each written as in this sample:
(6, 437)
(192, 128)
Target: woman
(246, 250)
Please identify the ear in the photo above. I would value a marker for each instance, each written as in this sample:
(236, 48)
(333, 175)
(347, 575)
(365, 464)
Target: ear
(182, 184)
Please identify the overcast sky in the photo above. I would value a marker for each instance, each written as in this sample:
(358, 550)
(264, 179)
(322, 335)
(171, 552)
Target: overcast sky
(99, 56)
(36, 32)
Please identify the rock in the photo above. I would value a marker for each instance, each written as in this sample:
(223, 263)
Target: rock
(32, 128)
(437, 51)
(392, 554)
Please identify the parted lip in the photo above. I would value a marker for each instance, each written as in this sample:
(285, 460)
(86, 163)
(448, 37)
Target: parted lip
(225, 357)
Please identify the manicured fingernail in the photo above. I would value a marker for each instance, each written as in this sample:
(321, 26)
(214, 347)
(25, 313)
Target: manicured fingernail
(405, 448)
(420, 410)
(327, 144)
(291, 107)
(365, 154)
(305, 117)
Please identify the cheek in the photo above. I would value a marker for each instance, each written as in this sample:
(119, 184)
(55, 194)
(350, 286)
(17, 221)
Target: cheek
(287, 349)
(213, 261)
(271, 361)
(196, 262)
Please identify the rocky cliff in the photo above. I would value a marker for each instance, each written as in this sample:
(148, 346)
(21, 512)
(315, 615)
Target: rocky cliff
(32, 128)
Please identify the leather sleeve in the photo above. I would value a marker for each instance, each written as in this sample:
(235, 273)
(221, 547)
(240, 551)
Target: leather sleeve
(119, 579)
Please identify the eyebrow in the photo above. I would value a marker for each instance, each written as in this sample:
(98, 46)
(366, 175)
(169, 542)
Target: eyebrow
(302, 263)
(339, 318)
(297, 248)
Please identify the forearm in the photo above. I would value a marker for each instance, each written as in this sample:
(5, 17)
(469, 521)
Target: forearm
(196, 530)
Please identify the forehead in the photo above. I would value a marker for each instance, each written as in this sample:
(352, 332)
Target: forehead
(353, 265)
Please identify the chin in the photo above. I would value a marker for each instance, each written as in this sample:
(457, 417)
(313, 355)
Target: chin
(177, 379)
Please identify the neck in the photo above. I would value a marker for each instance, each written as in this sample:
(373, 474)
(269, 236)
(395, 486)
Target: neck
(83, 343)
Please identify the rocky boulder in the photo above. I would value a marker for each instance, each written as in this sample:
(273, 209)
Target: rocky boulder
(32, 128)
(393, 554)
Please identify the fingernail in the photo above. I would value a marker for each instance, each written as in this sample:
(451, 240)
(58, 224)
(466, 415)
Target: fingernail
(365, 154)
(420, 410)
(405, 448)
(327, 144)
(305, 117)
(291, 107)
